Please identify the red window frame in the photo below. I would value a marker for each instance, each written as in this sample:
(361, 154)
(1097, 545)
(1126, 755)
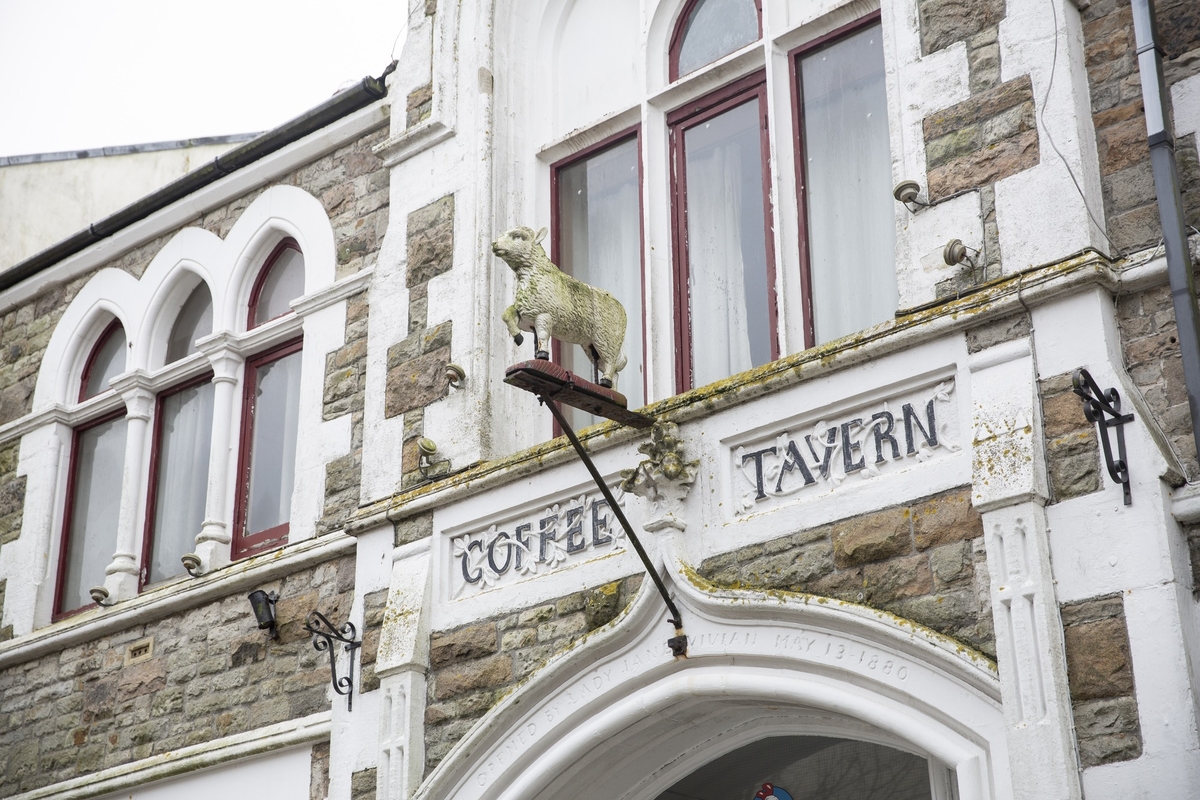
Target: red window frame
(249, 543)
(794, 57)
(58, 611)
(256, 289)
(680, 28)
(634, 133)
(748, 89)
(152, 489)
(90, 364)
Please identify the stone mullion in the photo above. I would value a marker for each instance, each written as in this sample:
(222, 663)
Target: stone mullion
(1009, 489)
(213, 540)
(121, 576)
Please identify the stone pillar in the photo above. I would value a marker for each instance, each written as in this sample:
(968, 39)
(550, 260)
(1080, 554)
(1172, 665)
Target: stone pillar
(401, 665)
(121, 576)
(212, 543)
(1009, 490)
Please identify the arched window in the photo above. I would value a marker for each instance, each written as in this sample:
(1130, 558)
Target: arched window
(279, 283)
(710, 29)
(800, 767)
(270, 413)
(96, 472)
(194, 321)
(106, 361)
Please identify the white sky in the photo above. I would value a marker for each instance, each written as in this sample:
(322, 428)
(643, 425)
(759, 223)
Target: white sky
(80, 74)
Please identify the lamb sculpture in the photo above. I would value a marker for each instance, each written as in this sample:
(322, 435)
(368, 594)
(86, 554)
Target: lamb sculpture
(550, 303)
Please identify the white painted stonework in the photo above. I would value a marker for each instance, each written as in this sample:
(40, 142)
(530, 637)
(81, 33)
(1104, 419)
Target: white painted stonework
(755, 667)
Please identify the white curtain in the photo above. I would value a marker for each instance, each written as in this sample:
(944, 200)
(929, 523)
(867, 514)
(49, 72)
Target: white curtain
(848, 171)
(273, 459)
(716, 270)
(182, 484)
(95, 507)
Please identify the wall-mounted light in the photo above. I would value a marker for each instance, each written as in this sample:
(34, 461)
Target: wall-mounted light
(430, 466)
(955, 253)
(907, 192)
(99, 595)
(191, 563)
(455, 375)
(263, 604)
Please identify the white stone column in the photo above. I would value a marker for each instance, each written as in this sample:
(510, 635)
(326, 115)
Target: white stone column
(401, 664)
(121, 576)
(1009, 489)
(213, 540)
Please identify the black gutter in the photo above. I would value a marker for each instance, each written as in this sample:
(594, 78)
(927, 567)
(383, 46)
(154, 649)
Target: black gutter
(1170, 204)
(345, 102)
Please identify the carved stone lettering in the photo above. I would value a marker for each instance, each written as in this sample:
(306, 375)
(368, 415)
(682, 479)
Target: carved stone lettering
(909, 427)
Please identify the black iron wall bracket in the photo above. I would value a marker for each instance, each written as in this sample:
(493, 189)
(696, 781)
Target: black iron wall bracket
(324, 634)
(1104, 409)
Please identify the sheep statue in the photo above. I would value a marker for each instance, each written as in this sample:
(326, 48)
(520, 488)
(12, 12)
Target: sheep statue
(550, 303)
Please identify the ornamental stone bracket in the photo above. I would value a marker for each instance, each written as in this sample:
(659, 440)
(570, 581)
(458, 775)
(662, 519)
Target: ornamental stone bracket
(664, 477)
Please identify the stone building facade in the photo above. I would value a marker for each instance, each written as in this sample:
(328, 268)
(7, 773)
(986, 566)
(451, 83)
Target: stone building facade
(901, 562)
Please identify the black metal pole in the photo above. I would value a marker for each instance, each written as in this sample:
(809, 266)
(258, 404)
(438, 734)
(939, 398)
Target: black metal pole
(679, 643)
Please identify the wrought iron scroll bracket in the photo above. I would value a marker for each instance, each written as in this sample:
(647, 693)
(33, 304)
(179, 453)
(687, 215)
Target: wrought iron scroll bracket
(679, 642)
(324, 635)
(1104, 409)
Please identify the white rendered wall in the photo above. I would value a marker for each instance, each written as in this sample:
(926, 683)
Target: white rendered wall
(283, 775)
(43, 203)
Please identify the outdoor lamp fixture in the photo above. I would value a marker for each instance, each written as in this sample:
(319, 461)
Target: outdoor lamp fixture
(955, 253)
(906, 192)
(324, 634)
(263, 604)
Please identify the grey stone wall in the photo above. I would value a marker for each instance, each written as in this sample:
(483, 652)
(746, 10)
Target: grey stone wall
(1150, 342)
(12, 504)
(345, 393)
(1118, 116)
(1072, 449)
(1100, 677)
(416, 365)
(472, 667)
(318, 784)
(211, 673)
(922, 560)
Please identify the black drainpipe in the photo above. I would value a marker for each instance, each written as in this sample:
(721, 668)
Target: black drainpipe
(345, 102)
(1170, 205)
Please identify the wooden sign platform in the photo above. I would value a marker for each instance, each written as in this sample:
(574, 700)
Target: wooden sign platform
(551, 381)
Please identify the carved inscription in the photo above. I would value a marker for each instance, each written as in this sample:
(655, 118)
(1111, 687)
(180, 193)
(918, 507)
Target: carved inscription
(534, 544)
(867, 442)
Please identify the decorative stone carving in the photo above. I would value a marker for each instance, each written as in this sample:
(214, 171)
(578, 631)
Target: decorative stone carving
(551, 303)
(664, 477)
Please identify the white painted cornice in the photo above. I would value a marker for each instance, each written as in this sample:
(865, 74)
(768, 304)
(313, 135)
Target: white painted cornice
(416, 139)
(335, 292)
(311, 729)
(175, 597)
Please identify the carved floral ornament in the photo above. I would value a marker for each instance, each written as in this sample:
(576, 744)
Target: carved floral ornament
(664, 478)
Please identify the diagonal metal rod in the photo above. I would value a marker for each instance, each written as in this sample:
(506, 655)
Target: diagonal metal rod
(676, 619)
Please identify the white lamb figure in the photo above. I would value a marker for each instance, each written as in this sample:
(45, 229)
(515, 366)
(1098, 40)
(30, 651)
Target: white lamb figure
(550, 303)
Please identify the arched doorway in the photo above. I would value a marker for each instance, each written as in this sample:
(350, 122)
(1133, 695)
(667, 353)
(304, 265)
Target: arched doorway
(618, 717)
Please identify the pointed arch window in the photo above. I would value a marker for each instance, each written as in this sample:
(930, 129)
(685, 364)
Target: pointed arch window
(279, 283)
(194, 321)
(711, 29)
(94, 482)
(270, 413)
(105, 362)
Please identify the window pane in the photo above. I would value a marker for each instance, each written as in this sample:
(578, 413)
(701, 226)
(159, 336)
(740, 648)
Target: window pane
(95, 506)
(107, 363)
(716, 28)
(283, 284)
(194, 321)
(273, 453)
(726, 245)
(809, 767)
(182, 482)
(848, 171)
(599, 221)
